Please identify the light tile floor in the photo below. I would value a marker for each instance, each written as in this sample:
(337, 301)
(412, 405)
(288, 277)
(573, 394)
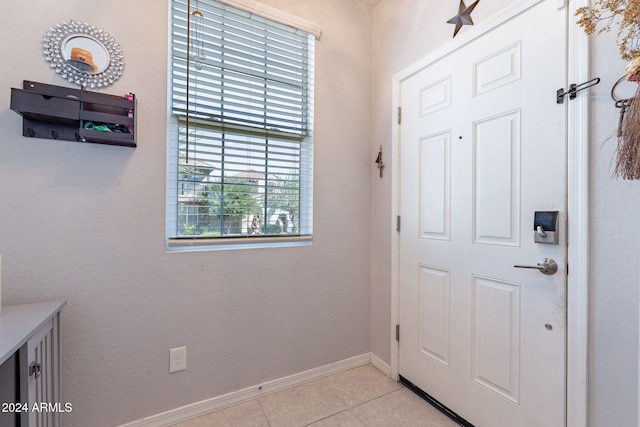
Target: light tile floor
(359, 397)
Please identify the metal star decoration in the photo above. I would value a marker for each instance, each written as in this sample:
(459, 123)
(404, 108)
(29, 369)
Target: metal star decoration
(463, 17)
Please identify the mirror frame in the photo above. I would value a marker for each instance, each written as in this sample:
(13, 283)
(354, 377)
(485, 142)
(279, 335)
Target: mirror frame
(56, 40)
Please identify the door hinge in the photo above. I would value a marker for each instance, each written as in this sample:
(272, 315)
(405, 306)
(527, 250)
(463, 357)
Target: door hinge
(398, 223)
(399, 115)
(398, 333)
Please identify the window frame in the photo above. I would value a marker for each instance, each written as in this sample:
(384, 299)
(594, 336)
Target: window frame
(178, 243)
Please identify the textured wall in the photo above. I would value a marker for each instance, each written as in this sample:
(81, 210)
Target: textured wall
(85, 223)
(615, 245)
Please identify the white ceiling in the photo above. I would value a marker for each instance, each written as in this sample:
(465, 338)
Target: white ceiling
(371, 2)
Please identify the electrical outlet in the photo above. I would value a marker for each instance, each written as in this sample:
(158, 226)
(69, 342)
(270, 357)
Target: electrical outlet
(177, 359)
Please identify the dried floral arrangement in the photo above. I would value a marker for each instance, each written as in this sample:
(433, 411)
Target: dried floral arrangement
(626, 15)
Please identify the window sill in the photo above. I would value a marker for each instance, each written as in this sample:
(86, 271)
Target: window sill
(186, 244)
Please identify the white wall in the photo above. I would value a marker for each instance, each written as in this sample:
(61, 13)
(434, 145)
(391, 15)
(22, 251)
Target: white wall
(405, 31)
(615, 245)
(85, 223)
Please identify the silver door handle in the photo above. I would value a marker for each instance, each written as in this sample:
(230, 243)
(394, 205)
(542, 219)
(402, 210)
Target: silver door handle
(545, 266)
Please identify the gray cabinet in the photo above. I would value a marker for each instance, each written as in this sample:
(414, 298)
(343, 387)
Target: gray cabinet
(30, 365)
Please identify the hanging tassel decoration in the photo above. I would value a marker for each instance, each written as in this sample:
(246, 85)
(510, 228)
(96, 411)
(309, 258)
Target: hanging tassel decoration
(627, 165)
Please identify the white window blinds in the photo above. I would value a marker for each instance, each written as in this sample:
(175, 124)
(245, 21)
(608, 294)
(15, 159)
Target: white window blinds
(240, 156)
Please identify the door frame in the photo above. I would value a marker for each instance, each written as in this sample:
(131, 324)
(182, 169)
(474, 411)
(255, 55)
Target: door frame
(577, 328)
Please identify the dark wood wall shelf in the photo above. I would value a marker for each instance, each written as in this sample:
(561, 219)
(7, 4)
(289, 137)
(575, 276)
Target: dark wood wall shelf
(56, 112)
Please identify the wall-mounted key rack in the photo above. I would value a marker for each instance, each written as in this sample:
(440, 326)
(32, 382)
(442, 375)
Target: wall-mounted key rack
(56, 112)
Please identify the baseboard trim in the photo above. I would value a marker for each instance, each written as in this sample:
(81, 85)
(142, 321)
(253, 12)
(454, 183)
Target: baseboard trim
(382, 366)
(204, 407)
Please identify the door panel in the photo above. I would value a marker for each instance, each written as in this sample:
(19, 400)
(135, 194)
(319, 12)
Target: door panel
(496, 193)
(481, 148)
(434, 310)
(498, 69)
(496, 336)
(435, 186)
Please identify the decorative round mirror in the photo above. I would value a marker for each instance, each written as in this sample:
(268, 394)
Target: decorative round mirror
(83, 54)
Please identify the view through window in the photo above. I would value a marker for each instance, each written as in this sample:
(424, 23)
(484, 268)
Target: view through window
(240, 149)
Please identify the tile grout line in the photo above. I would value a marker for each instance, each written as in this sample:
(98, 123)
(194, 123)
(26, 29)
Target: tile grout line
(335, 392)
(257, 399)
(350, 408)
(371, 400)
(378, 397)
(337, 397)
(328, 416)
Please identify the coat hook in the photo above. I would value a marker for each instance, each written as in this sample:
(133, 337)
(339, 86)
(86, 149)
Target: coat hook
(379, 161)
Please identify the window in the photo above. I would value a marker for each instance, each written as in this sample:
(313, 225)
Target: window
(240, 129)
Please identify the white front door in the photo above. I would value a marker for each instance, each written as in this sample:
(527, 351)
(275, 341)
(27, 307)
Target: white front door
(482, 148)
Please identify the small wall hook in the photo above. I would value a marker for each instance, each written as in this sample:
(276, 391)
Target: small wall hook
(379, 161)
